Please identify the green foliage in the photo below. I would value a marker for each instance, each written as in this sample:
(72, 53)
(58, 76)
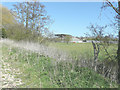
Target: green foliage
(7, 17)
(4, 35)
(78, 77)
(19, 32)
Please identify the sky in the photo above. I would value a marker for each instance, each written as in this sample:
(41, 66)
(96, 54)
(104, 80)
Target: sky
(74, 17)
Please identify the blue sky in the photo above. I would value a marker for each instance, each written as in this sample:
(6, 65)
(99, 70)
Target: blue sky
(74, 17)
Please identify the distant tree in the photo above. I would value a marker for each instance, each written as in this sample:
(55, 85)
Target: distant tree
(67, 39)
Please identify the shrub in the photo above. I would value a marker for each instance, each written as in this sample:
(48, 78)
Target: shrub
(19, 32)
(4, 35)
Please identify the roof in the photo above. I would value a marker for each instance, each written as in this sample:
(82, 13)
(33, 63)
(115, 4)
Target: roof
(63, 35)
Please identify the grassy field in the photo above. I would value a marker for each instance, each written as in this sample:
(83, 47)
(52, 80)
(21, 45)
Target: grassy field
(84, 50)
(75, 49)
(39, 71)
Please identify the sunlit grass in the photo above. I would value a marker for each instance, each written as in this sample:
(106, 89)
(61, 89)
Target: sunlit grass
(39, 71)
(85, 50)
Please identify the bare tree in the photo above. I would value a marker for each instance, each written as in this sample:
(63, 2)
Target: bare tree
(117, 10)
(67, 39)
(101, 45)
(33, 15)
(97, 34)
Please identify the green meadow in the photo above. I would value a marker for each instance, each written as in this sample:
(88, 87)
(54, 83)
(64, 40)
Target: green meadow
(85, 50)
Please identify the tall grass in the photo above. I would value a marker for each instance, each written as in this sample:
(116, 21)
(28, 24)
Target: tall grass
(106, 64)
(81, 53)
(39, 71)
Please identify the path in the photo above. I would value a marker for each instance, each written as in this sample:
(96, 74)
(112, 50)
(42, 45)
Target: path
(8, 74)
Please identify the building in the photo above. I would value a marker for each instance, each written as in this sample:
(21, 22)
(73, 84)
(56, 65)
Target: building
(72, 40)
(62, 36)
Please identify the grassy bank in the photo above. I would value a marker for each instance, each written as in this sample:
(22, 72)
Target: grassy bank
(40, 71)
